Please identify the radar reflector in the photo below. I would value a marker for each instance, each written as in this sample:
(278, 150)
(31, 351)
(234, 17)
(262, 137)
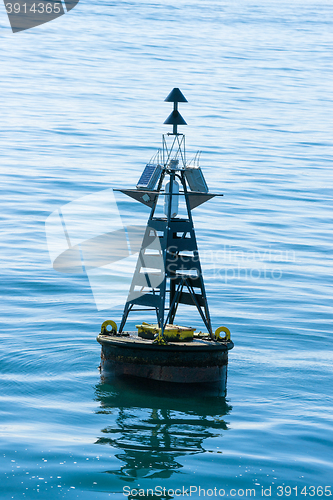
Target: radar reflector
(149, 176)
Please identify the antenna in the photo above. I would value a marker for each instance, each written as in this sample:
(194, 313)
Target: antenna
(175, 118)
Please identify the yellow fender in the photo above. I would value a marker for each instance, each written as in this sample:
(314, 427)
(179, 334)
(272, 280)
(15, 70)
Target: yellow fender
(222, 329)
(106, 323)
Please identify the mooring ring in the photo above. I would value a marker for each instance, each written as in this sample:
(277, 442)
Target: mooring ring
(222, 329)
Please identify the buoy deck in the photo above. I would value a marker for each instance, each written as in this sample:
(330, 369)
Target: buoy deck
(140, 343)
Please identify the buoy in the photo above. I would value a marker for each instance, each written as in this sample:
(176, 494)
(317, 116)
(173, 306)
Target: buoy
(168, 275)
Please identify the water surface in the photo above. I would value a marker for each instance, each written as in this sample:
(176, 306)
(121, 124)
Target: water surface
(82, 111)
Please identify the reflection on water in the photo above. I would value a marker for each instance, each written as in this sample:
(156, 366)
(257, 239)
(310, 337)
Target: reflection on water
(154, 424)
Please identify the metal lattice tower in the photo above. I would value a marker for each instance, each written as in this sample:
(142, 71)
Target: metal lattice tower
(168, 270)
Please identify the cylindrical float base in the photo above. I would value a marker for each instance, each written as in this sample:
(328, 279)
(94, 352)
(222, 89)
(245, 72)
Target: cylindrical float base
(199, 361)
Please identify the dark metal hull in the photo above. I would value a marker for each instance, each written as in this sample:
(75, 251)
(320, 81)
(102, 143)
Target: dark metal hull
(199, 361)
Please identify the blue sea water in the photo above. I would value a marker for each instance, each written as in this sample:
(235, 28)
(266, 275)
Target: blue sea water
(82, 110)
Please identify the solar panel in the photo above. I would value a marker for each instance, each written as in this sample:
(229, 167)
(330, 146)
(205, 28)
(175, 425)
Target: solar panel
(149, 176)
(195, 179)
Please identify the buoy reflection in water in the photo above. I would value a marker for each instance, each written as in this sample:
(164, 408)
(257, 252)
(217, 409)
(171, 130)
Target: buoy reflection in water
(155, 425)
